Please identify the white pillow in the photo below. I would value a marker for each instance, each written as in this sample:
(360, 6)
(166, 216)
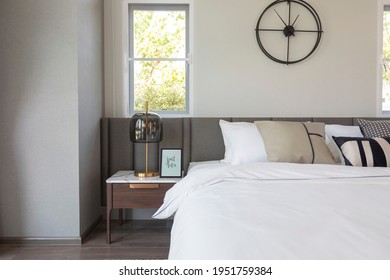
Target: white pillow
(338, 130)
(243, 143)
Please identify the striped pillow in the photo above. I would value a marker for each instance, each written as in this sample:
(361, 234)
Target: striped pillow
(365, 151)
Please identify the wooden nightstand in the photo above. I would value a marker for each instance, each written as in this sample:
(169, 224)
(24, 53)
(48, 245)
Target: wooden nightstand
(124, 190)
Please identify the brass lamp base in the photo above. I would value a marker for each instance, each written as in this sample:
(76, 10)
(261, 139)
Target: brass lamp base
(144, 174)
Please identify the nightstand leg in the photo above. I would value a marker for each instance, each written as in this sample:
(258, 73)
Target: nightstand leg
(120, 216)
(108, 212)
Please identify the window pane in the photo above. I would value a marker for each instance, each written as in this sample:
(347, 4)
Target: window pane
(159, 34)
(161, 83)
(386, 62)
(386, 86)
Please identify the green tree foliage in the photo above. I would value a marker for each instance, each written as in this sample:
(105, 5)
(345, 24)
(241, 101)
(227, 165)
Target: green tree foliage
(160, 34)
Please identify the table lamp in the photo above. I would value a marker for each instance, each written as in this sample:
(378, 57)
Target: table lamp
(146, 128)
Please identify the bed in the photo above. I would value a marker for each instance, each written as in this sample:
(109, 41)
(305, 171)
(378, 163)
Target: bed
(242, 200)
(280, 211)
(243, 208)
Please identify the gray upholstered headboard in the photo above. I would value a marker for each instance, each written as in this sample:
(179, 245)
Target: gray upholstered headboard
(200, 139)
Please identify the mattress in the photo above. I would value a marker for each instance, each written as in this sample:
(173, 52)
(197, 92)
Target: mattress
(279, 211)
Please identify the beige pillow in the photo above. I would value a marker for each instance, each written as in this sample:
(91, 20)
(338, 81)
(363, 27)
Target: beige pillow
(295, 142)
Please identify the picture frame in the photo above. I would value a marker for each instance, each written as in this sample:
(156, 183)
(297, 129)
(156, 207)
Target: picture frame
(171, 163)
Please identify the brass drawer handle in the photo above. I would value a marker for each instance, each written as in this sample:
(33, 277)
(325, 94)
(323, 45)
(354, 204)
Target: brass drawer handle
(144, 186)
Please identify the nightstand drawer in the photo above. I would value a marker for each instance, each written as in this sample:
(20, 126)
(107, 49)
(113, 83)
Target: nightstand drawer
(139, 195)
(125, 190)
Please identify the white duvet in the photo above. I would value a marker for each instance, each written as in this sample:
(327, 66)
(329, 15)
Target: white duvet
(280, 211)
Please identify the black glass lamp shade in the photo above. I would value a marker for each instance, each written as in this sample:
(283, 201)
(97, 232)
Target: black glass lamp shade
(146, 128)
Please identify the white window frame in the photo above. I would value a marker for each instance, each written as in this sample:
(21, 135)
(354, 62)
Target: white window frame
(116, 57)
(381, 9)
(186, 59)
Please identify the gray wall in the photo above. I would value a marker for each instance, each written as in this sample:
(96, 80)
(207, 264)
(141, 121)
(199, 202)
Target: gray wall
(47, 131)
(90, 73)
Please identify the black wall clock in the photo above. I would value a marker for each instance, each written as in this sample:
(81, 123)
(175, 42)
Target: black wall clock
(288, 31)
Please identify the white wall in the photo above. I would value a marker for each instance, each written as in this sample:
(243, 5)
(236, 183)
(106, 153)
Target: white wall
(47, 166)
(232, 77)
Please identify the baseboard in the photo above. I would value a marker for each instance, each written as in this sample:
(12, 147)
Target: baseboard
(91, 228)
(41, 240)
(53, 240)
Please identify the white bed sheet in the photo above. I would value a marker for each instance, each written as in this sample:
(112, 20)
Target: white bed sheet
(280, 211)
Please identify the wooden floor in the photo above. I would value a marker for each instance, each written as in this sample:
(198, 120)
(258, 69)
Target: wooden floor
(132, 240)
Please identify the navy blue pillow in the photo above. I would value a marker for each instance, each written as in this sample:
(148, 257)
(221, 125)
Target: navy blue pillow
(365, 151)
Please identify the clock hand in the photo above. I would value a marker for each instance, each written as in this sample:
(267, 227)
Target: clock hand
(268, 29)
(295, 20)
(289, 11)
(280, 17)
(288, 51)
(303, 30)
